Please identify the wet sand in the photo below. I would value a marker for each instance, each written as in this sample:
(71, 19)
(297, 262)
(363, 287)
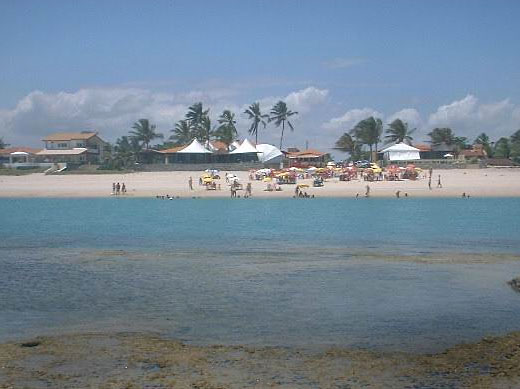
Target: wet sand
(491, 182)
(136, 360)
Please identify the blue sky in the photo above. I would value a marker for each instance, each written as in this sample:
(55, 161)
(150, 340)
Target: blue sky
(73, 65)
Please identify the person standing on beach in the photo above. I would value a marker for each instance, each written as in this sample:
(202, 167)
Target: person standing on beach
(249, 189)
(113, 188)
(439, 185)
(398, 194)
(190, 183)
(367, 193)
(123, 188)
(118, 188)
(430, 183)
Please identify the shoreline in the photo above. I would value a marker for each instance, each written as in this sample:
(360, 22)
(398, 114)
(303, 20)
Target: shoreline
(490, 182)
(140, 359)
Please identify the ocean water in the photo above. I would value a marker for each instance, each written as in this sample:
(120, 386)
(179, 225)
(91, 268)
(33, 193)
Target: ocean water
(305, 272)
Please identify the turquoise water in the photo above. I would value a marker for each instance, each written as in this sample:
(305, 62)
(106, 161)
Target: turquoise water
(306, 272)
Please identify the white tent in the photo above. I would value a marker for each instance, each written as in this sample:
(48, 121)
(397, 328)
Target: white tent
(244, 148)
(401, 152)
(235, 145)
(267, 152)
(195, 148)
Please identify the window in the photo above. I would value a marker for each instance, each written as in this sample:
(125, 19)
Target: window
(62, 145)
(80, 144)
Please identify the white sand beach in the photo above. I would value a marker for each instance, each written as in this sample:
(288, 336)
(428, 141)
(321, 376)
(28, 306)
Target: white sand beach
(491, 182)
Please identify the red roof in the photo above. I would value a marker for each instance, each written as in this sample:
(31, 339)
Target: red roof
(310, 153)
(10, 150)
(473, 153)
(422, 147)
(70, 136)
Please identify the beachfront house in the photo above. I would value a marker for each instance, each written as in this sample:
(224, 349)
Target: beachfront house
(74, 147)
(306, 158)
(18, 156)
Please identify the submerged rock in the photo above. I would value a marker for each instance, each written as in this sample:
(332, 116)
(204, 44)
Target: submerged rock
(515, 284)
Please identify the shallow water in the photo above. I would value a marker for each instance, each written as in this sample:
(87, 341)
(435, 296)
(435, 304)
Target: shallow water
(276, 272)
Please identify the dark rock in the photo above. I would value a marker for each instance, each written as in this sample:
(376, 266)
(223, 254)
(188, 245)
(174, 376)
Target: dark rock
(30, 344)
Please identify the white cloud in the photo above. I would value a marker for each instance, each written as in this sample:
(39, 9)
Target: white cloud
(350, 119)
(342, 63)
(468, 117)
(407, 115)
(112, 111)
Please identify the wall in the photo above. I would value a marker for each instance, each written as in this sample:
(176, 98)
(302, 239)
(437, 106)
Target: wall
(200, 166)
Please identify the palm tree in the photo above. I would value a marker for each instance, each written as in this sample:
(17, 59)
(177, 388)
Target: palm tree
(227, 131)
(254, 114)
(280, 115)
(368, 131)
(2, 144)
(502, 148)
(483, 140)
(399, 132)
(182, 133)
(126, 151)
(195, 115)
(442, 135)
(205, 131)
(145, 132)
(348, 144)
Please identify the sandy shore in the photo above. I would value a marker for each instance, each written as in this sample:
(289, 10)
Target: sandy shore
(134, 360)
(491, 182)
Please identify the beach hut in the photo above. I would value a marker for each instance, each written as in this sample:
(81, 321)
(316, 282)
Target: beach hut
(401, 152)
(195, 152)
(246, 152)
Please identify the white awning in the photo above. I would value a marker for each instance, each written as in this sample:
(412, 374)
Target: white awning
(195, 148)
(244, 148)
(401, 152)
(267, 152)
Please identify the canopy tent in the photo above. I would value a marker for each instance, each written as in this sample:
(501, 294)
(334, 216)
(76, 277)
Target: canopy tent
(194, 148)
(235, 145)
(401, 152)
(267, 152)
(245, 148)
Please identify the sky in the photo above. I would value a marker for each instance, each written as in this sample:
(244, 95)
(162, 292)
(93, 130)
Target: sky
(102, 65)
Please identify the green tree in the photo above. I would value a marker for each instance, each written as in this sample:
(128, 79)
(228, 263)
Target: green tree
(182, 133)
(3, 145)
(483, 140)
(205, 131)
(502, 148)
(368, 132)
(195, 116)
(126, 153)
(144, 132)
(348, 144)
(227, 131)
(461, 143)
(441, 136)
(515, 146)
(399, 132)
(255, 115)
(280, 115)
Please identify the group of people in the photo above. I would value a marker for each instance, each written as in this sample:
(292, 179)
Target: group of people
(118, 189)
(235, 186)
(439, 184)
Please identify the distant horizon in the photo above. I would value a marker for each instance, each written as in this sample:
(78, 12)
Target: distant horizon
(102, 67)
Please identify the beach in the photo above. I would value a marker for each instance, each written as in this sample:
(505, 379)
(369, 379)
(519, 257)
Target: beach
(489, 182)
(126, 360)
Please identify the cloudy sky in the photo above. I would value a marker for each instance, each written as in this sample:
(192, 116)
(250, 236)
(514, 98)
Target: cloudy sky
(102, 65)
